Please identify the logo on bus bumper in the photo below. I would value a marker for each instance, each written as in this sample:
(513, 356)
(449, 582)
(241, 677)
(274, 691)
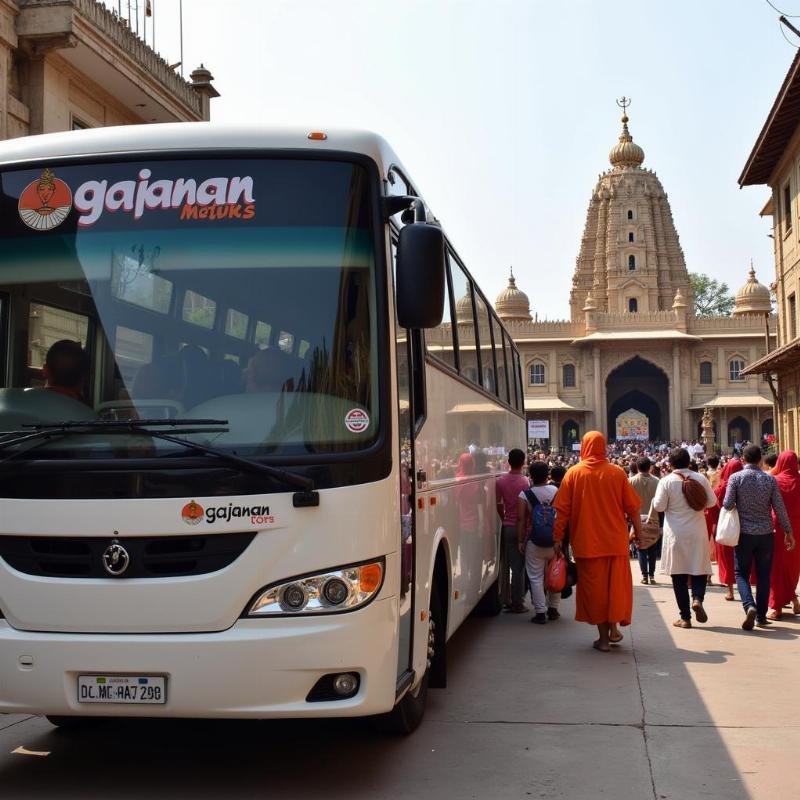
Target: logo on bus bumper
(116, 559)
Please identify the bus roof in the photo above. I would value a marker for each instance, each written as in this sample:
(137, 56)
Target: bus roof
(192, 136)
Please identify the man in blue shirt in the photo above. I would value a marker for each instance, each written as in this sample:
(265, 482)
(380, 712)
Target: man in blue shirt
(755, 494)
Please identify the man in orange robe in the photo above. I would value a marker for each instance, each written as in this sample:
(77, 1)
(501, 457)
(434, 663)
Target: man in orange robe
(594, 499)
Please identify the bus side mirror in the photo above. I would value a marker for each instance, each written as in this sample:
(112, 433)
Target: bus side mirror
(420, 276)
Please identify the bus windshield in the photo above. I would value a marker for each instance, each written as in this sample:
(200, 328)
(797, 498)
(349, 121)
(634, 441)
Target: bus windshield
(224, 288)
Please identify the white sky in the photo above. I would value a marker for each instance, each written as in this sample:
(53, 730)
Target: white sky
(503, 110)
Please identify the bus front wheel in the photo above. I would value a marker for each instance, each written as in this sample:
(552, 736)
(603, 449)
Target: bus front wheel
(406, 716)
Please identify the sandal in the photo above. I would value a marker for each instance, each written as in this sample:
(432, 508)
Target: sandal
(776, 615)
(615, 639)
(597, 646)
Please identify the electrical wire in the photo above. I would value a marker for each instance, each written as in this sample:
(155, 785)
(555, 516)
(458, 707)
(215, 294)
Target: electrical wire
(788, 41)
(775, 8)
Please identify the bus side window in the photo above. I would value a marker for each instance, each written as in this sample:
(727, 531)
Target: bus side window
(486, 344)
(440, 341)
(465, 323)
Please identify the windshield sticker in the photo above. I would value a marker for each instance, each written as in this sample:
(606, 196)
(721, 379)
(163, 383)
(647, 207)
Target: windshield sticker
(356, 420)
(213, 198)
(45, 202)
(193, 514)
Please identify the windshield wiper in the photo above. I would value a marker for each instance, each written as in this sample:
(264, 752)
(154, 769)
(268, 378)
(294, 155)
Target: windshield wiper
(306, 498)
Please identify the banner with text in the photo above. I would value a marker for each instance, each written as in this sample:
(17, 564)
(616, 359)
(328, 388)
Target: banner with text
(538, 428)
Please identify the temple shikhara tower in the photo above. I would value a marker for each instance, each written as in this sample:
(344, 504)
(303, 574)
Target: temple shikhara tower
(633, 360)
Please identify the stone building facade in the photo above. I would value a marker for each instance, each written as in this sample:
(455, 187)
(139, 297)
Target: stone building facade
(67, 64)
(775, 162)
(633, 359)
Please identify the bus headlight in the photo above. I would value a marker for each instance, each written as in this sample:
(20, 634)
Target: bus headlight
(336, 590)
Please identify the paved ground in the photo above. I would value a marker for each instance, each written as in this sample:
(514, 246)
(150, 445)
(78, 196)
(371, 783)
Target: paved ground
(531, 712)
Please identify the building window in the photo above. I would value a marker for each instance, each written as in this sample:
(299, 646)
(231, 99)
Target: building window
(630, 213)
(736, 366)
(630, 236)
(631, 262)
(792, 316)
(633, 305)
(79, 124)
(787, 207)
(705, 373)
(568, 376)
(536, 374)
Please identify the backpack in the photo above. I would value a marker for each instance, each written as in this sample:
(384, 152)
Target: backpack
(543, 517)
(694, 493)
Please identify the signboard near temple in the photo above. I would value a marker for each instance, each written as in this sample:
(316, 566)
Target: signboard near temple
(538, 428)
(632, 424)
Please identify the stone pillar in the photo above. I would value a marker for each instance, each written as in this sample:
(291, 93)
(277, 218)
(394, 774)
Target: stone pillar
(598, 395)
(8, 43)
(677, 404)
(755, 426)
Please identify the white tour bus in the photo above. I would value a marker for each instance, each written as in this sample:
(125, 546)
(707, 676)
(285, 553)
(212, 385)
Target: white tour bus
(248, 455)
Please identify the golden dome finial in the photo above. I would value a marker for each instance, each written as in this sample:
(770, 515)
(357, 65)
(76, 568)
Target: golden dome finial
(627, 153)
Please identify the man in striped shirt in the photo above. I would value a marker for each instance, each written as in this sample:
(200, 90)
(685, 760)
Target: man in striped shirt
(755, 494)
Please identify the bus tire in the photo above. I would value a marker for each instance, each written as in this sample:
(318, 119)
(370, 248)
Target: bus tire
(407, 714)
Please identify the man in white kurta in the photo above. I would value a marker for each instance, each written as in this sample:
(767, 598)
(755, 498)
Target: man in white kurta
(684, 554)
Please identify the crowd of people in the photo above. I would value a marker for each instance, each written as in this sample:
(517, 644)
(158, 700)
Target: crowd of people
(593, 509)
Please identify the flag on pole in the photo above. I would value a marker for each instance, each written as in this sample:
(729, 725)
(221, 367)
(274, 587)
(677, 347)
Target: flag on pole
(148, 8)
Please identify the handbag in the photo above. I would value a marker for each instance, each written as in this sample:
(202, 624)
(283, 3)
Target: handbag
(555, 574)
(651, 531)
(728, 527)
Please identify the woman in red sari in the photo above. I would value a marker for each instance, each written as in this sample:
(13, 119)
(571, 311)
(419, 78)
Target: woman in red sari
(785, 562)
(725, 554)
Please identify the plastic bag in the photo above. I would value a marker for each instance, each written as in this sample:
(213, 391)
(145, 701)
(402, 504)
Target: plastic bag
(728, 527)
(555, 575)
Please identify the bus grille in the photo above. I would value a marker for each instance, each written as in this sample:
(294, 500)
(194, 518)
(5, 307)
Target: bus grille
(150, 556)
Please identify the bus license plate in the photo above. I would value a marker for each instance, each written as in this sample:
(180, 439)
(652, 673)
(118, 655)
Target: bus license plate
(132, 689)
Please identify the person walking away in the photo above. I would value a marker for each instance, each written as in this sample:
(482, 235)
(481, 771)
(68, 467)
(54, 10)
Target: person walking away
(712, 514)
(755, 495)
(596, 500)
(535, 520)
(684, 555)
(786, 557)
(644, 484)
(725, 568)
(508, 490)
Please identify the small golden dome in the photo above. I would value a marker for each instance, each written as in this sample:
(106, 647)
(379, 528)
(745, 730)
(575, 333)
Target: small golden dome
(753, 297)
(626, 153)
(512, 303)
(464, 310)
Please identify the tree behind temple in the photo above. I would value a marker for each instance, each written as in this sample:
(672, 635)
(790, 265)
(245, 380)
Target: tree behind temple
(712, 298)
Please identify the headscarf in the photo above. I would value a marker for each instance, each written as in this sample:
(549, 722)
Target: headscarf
(733, 466)
(466, 465)
(787, 474)
(593, 449)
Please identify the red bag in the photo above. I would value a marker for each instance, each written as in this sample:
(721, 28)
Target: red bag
(694, 493)
(555, 574)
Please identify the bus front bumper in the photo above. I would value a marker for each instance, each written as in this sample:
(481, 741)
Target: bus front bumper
(258, 668)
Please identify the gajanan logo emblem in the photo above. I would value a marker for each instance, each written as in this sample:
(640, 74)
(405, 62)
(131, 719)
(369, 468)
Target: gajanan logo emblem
(45, 202)
(192, 513)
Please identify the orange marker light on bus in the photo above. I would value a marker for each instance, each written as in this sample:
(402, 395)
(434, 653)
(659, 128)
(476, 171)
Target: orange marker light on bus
(318, 136)
(369, 577)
